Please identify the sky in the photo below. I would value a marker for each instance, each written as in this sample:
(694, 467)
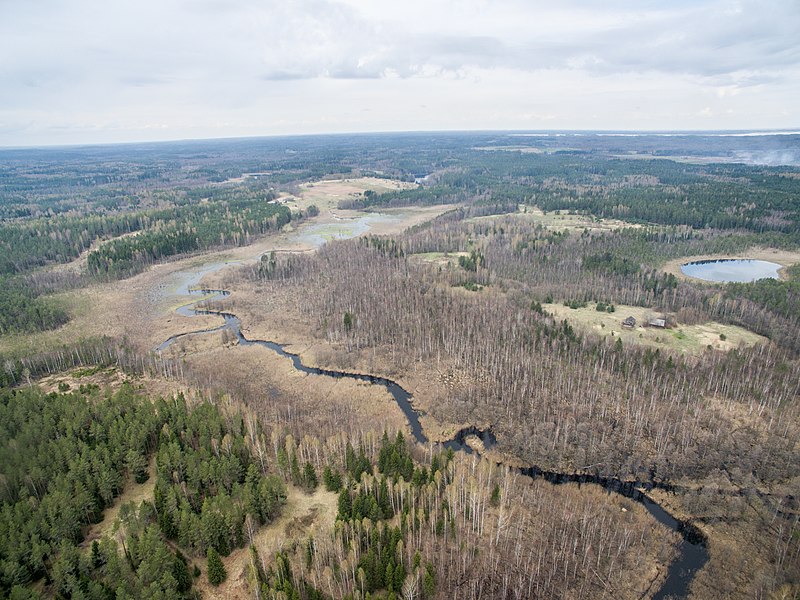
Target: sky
(98, 71)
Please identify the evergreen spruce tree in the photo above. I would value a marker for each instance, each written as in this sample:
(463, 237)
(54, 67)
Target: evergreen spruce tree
(216, 570)
(429, 582)
(345, 505)
(332, 479)
(310, 477)
(295, 470)
(495, 499)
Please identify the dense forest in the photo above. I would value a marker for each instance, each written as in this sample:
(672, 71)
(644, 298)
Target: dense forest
(191, 228)
(67, 456)
(404, 516)
(24, 310)
(196, 220)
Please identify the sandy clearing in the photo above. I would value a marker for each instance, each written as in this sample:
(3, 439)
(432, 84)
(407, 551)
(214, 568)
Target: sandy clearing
(327, 193)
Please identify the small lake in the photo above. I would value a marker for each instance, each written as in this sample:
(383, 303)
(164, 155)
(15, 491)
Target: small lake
(731, 270)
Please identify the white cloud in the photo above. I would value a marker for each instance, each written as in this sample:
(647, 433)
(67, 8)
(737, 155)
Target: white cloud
(92, 70)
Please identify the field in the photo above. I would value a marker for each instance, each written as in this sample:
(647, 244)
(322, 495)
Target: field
(686, 339)
(327, 193)
(564, 220)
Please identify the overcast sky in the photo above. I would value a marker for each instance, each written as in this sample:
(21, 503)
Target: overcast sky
(82, 71)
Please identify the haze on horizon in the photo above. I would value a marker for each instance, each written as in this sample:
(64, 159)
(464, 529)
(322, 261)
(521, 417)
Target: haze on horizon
(87, 71)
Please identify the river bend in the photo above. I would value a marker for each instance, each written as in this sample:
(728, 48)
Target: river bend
(692, 551)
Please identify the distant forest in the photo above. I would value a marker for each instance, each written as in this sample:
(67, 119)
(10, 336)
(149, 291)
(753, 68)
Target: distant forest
(127, 207)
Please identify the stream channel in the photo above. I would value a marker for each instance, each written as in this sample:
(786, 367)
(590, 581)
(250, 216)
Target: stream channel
(692, 550)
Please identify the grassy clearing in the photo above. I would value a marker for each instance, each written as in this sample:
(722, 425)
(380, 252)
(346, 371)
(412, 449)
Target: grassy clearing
(327, 194)
(685, 339)
(564, 220)
(440, 259)
(80, 304)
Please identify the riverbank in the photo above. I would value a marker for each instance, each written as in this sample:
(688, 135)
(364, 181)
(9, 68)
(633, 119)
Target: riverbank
(692, 555)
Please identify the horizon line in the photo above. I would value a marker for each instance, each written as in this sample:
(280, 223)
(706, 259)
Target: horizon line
(757, 132)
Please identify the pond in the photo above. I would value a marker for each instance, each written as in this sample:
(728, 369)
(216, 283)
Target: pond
(731, 270)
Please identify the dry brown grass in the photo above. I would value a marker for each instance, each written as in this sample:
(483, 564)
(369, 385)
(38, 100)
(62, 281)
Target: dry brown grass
(564, 220)
(303, 515)
(137, 309)
(288, 399)
(133, 492)
(685, 339)
(326, 194)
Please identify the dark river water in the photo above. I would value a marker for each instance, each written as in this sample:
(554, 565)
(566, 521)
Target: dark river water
(692, 551)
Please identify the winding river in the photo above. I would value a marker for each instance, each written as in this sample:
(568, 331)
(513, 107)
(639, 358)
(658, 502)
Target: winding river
(692, 551)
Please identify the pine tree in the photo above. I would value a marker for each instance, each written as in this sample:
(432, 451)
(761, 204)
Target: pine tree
(97, 559)
(180, 571)
(332, 479)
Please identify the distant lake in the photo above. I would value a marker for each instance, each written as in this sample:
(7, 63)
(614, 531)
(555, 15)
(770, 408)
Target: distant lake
(731, 270)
